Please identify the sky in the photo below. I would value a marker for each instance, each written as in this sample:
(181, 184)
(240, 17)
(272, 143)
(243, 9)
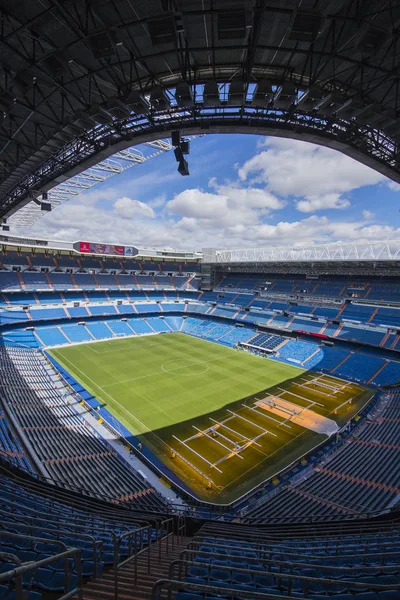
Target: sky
(244, 191)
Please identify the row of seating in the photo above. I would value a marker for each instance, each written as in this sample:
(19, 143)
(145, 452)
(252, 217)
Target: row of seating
(360, 366)
(10, 447)
(38, 313)
(234, 561)
(44, 298)
(53, 280)
(54, 259)
(68, 449)
(329, 287)
(39, 521)
(261, 311)
(361, 476)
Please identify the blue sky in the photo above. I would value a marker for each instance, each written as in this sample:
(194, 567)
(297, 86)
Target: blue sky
(243, 191)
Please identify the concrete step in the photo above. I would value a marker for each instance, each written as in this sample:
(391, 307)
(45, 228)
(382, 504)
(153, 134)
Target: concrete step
(104, 587)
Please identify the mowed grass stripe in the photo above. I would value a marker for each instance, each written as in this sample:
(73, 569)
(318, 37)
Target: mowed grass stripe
(132, 376)
(171, 386)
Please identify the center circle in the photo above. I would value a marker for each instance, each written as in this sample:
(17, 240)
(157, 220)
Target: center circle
(193, 367)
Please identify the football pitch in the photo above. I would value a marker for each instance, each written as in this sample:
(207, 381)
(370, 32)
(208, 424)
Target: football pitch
(222, 419)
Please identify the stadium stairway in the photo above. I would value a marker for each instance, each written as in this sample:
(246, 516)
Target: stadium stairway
(159, 557)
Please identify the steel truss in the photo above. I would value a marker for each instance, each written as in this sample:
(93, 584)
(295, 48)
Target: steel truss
(338, 252)
(70, 78)
(84, 181)
(365, 144)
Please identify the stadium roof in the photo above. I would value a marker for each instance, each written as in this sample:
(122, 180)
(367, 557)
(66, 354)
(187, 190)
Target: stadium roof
(338, 252)
(81, 80)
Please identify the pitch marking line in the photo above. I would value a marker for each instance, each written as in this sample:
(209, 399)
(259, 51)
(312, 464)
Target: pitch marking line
(190, 363)
(113, 399)
(167, 372)
(119, 338)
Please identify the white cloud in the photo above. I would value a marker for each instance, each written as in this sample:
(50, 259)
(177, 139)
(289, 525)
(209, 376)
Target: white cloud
(314, 203)
(228, 206)
(394, 186)
(126, 207)
(295, 168)
(244, 213)
(194, 232)
(368, 215)
(158, 201)
(313, 173)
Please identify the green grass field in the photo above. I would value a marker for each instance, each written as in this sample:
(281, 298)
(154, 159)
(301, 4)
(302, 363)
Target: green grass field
(193, 403)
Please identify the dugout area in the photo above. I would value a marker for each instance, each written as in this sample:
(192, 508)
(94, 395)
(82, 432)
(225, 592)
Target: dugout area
(223, 420)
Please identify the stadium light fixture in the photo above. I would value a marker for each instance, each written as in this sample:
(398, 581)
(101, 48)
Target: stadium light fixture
(185, 147)
(178, 153)
(182, 147)
(183, 167)
(175, 138)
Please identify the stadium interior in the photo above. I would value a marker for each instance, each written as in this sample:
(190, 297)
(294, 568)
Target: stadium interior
(68, 449)
(193, 425)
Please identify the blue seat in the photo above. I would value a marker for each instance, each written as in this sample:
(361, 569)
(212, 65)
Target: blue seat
(88, 569)
(219, 575)
(196, 580)
(56, 583)
(27, 595)
(47, 548)
(244, 578)
(368, 581)
(198, 572)
(27, 555)
(107, 558)
(6, 567)
(245, 588)
(264, 581)
(238, 562)
(389, 595)
(188, 596)
(235, 553)
(388, 580)
(3, 591)
(43, 577)
(221, 563)
(220, 584)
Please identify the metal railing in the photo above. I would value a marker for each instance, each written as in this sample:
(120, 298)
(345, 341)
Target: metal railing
(14, 577)
(294, 560)
(170, 586)
(141, 542)
(30, 529)
(136, 546)
(263, 533)
(180, 521)
(165, 532)
(293, 581)
(53, 491)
